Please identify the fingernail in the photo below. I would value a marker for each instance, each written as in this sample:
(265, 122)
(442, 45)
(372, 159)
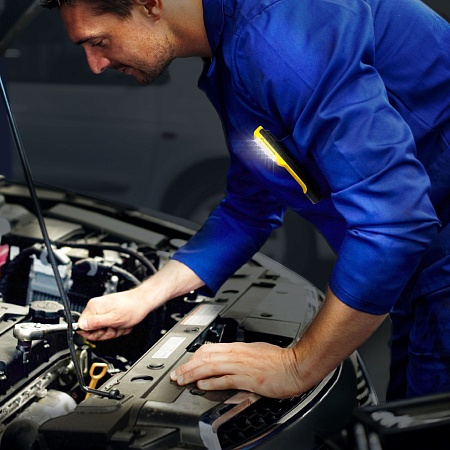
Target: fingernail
(173, 376)
(82, 324)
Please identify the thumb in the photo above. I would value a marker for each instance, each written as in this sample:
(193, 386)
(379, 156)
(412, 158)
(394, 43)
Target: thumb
(91, 323)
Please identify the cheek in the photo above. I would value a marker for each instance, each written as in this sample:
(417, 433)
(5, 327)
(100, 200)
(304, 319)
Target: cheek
(131, 54)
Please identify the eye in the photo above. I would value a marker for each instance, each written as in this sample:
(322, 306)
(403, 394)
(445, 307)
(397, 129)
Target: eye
(99, 43)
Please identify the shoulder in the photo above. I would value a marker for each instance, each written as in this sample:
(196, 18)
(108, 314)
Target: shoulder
(295, 39)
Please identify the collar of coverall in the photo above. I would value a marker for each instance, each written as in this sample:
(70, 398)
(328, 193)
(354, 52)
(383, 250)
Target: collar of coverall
(213, 18)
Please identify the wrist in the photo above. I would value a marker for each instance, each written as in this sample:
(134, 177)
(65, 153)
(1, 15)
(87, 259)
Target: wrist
(302, 368)
(151, 293)
(173, 280)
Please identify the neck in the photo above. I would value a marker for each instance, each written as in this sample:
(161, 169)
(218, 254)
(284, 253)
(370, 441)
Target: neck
(186, 21)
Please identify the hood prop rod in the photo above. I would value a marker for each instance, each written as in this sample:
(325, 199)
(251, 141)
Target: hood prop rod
(114, 393)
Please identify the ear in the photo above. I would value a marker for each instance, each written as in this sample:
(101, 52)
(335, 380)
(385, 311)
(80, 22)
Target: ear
(153, 8)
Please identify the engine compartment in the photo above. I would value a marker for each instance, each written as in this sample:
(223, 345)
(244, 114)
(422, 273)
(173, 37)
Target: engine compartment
(104, 248)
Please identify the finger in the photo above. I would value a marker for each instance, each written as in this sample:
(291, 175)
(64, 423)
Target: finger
(208, 353)
(97, 335)
(104, 334)
(220, 348)
(94, 322)
(122, 331)
(242, 382)
(112, 333)
(196, 370)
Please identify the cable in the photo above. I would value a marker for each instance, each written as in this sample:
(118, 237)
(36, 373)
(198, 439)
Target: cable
(113, 247)
(113, 394)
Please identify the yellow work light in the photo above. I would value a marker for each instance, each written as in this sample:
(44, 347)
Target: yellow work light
(278, 154)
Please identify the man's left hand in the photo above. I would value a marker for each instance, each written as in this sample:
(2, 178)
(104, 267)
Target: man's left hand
(262, 368)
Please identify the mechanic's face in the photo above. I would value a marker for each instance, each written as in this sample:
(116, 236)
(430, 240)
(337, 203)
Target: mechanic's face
(140, 45)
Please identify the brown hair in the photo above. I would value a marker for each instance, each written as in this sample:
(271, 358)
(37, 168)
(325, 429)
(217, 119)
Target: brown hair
(120, 8)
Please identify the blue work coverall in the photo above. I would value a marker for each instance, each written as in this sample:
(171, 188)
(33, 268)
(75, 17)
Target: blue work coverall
(358, 92)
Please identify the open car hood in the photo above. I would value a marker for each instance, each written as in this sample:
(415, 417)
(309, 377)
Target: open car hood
(14, 16)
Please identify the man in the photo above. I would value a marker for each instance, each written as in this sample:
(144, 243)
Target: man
(358, 93)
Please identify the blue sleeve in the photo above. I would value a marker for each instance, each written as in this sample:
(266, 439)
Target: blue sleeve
(233, 232)
(334, 109)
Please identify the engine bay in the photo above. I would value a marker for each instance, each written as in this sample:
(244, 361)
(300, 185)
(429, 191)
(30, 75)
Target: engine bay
(102, 249)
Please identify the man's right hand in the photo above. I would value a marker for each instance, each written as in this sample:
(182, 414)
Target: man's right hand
(112, 315)
(116, 314)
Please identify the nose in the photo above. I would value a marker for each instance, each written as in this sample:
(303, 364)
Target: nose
(97, 62)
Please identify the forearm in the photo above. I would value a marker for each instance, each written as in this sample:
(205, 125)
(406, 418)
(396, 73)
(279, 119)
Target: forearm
(173, 280)
(334, 334)
(115, 314)
(234, 231)
(278, 372)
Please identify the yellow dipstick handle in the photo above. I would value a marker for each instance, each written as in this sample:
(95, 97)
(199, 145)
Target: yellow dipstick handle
(96, 376)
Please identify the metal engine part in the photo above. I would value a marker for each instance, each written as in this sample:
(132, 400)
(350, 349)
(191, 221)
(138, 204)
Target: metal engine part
(98, 254)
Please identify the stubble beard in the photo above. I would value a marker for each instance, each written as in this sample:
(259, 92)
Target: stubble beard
(161, 55)
(146, 77)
